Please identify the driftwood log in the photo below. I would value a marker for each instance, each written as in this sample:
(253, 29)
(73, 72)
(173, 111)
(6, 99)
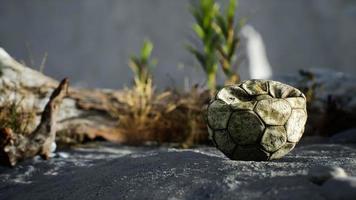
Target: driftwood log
(82, 114)
(86, 114)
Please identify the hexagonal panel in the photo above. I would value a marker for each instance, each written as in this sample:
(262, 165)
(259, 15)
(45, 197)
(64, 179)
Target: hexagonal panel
(224, 142)
(273, 111)
(232, 94)
(218, 115)
(245, 127)
(280, 90)
(255, 87)
(295, 125)
(243, 105)
(249, 153)
(273, 138)
(283, 151)
(297, 102)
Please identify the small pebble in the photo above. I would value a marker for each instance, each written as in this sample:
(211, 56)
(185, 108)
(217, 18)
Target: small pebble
(53, 147)
(63, 155)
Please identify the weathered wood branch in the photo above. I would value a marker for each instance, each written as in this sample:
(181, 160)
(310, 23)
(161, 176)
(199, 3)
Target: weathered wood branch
(17, 146)
(45, 134)
(82, 114)
(101, 113)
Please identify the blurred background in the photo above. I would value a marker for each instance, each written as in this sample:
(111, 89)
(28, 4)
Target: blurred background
(91, 41)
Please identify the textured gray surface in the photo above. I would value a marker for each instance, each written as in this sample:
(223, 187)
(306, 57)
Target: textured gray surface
(90, 41)
(119, 172)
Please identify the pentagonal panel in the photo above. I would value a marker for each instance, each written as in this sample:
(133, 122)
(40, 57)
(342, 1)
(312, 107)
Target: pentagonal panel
(274, 138)
(243, 105)
(245, 127)
(224, 142)
(255, 87)
(297, 102)
(249, 153)
(218, 115)
(232, 94)
(285, 149)
(295, 125)
(273, 111)
(280, 90)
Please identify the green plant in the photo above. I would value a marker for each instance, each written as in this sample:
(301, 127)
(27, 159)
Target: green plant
(218, 35)
(142, 65)
(143, 91)
(205, 13)
(226, 49)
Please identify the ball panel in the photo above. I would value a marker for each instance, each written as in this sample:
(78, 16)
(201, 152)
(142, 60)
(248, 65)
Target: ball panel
(263, 96)
(274, 138)
(232, 94)
(297, 102)
(245, 105)
(280, 90)
(218, 115)
(283, 151)
(249, 153)
(295, 125)
(245, 127)
(255, 87)
(224, 142)
(273, 111)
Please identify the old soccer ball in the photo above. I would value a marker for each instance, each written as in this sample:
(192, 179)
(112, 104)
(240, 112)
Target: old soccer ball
(257, 119)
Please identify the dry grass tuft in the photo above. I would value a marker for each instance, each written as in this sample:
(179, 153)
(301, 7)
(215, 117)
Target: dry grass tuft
(165, 117)
(13, 116)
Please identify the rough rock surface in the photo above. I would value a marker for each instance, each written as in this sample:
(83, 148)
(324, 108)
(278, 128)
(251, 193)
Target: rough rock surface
(118, 172)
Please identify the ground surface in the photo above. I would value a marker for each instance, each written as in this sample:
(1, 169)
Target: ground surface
(107, 171)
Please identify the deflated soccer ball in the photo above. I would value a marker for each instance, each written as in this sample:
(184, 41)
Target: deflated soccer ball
(257, 119)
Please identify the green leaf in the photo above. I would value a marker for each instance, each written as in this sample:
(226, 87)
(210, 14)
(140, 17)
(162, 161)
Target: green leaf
(199, 31)
(146, 50)
(232, 49)
(222, 24)
(199, 56)
(134, 64)
(231, 9)
(197, 15)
